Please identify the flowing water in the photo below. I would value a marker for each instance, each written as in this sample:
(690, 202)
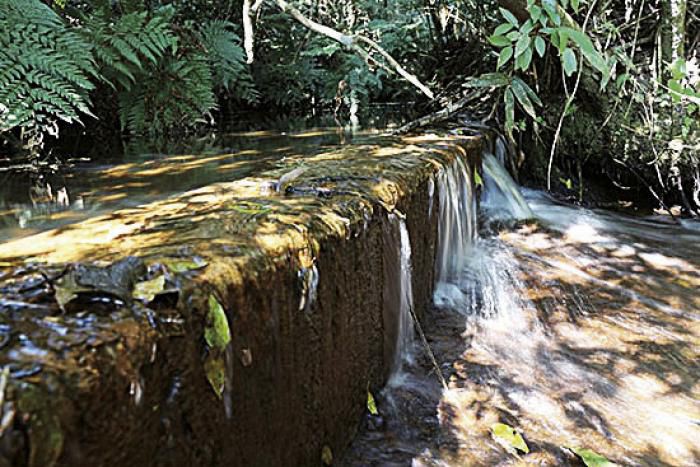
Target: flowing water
(579, 329)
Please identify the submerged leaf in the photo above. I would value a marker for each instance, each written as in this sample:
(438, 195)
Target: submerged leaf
(215, 369)
(147, 290)
(507, 435)
(178, 265)
(371, 404)
(592, 458)
(217, 332)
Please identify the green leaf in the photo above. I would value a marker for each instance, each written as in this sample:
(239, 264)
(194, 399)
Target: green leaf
(584, 43)
(499, 41)
(217, 332)
(478, 181)
(575, 4)
(521, 94)
(502, 29)
(592, 458)
(509, 17)
(510, 110)
(215, 369)
(540, 46)
(371, 404)
(531, 94)
(505, 55)
(535, 12)
(522, 45)
(147, 290)
(568, 59)
(524, 60)
(508, 437)
(550, 7)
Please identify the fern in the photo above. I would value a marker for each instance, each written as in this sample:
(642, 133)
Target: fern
(124, 46)
(45, 73)
(227, 60)
(177, 94)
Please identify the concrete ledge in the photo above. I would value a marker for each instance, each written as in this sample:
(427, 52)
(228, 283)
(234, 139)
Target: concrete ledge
(116, 382)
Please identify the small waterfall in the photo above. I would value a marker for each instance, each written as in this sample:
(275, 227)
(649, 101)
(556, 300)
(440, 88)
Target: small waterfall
(457, 223)
(404, 341)
(398, 294)
(502, 197)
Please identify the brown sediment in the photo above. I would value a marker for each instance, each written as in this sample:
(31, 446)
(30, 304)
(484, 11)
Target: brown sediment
(115, 381)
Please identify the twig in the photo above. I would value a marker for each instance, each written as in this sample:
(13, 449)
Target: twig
(428, 350)
(568, 102)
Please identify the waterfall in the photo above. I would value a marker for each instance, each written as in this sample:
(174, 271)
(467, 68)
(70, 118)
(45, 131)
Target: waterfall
(457, 223)
(502, 197)
(398, 294)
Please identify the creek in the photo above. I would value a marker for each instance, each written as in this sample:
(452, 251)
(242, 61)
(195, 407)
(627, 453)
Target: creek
(579, 328)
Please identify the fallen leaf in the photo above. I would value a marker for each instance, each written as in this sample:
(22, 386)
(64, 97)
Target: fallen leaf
(509, 437)
(217, 332)
(215, 369)
(178, 265)
(371, 404)
(147, 290)
(327, 455)
(592, 458)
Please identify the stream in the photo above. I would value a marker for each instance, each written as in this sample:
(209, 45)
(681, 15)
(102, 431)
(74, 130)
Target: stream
(579, 328)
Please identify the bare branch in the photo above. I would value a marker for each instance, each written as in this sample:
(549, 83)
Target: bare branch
(248, 34)
(351, 42)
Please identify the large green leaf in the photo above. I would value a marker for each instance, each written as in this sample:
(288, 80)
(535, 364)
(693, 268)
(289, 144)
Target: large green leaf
(568, 60)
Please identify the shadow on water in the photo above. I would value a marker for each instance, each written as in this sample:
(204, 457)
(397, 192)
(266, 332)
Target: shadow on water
(141, 173)
(580, 329)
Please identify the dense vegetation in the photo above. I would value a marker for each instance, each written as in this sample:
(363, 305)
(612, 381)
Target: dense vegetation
(583, 88)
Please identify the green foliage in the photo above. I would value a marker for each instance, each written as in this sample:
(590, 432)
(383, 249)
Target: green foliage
(177, 93)
(227, 60)
(164, 75)
(45, 72)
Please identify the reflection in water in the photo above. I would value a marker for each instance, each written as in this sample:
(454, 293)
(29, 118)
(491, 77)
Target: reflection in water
(31, 203)
(580, 330)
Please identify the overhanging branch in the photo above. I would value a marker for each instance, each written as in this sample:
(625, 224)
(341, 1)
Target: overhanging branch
(346, 40)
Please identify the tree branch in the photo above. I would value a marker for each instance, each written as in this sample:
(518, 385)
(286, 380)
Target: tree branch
(351, 42)
(248, 34)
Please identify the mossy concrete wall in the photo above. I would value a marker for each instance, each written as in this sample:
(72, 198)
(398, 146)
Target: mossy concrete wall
(113, 381)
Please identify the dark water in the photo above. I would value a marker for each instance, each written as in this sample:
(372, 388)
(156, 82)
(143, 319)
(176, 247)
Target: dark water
(579, 329)
(32, 202)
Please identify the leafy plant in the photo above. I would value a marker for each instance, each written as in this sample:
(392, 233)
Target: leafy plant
(45, 73)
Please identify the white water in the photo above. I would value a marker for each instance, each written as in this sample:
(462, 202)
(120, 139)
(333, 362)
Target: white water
(405, 334)
(502, 197)
(457, 223)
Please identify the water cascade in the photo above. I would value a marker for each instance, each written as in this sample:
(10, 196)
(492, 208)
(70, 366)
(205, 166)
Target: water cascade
(398, 294)
(502, 197)
(457, 222)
